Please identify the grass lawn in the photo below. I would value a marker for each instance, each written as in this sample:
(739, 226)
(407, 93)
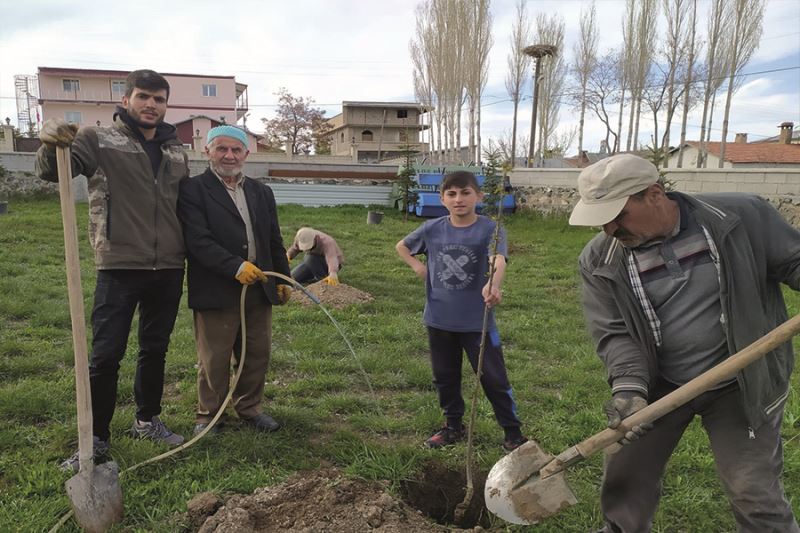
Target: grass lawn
(316, 388)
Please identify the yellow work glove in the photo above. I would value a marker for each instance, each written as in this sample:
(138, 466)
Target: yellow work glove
(57, 132)
(284, 293)
(288, 257)
(249, 274)
(332, 279)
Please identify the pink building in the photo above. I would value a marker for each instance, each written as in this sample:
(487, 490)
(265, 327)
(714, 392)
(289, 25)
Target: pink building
(88, 97)
(198, 126)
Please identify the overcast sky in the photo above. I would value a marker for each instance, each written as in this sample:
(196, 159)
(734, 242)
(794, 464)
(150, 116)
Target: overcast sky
(335, 50)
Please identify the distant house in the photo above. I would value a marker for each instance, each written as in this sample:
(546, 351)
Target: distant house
(741, 154)
(89, 97)
(373, 131)
(584, 159)
(198, 126)
(787, 129)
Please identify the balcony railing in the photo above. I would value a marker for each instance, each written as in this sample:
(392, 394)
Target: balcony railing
(81, 96)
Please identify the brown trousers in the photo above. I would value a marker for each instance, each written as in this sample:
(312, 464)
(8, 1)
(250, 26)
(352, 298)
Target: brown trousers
(218, 337)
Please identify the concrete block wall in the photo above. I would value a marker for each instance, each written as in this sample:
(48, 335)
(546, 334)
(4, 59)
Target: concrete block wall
(766, 182)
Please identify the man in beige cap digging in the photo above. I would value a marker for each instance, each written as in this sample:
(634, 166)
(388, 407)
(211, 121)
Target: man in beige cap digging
(323, 257)
(672, 286)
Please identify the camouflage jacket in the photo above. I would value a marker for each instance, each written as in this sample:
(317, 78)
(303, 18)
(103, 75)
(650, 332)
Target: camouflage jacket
(132, 219)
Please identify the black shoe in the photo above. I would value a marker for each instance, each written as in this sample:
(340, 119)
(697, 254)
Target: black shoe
(262, 422)
(445, 437)
(99, 454)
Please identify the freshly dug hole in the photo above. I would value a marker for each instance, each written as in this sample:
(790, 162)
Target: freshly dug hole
(438, 490)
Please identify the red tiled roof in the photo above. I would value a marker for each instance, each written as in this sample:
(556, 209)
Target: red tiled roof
(755, 153)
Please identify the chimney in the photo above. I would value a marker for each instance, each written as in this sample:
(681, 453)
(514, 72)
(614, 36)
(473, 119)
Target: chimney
(786, 133)
(741, 138)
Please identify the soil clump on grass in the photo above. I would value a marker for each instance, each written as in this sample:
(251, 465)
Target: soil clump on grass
(337, 297)
(319, 501)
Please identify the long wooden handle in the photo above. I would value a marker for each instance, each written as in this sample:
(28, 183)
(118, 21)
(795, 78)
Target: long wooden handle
(75, 293)
(691, 390)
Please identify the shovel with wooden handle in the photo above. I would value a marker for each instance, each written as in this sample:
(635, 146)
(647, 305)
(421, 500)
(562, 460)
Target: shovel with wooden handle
(529, 485)
(94, 491)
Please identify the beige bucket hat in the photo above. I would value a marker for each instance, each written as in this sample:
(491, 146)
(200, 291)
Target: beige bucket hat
(305, 238)
(605, 186)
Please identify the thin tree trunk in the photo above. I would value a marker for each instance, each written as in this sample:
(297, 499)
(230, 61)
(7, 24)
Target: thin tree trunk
(514, 136)
(636, 123)
(687, 85)
(472, 130)
(710, 122)
(478, 135)
(630, 122)
(618, 142)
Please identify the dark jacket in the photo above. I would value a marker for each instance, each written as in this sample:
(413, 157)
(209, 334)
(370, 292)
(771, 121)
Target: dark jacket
(132, 219)
(216, 239)
(758, 251)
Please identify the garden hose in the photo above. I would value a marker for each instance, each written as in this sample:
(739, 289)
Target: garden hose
(236, 377)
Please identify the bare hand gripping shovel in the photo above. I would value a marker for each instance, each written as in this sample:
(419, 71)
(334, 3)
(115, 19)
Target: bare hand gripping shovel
(94, 491)
(529, 485)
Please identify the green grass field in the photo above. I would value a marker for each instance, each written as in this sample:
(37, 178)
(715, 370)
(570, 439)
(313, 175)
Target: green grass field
(316, 388)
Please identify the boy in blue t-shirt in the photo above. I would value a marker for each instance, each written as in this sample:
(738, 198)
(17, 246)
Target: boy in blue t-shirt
(457, 249)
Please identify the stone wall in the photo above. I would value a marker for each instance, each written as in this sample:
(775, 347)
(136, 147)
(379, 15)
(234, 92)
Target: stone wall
(554, 190)
(15, 184)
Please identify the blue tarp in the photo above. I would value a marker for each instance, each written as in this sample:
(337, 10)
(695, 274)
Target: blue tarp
(429, 203)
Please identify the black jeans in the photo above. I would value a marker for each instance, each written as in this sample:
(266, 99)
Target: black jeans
(447, 348)
(157, 293)
(313, 268)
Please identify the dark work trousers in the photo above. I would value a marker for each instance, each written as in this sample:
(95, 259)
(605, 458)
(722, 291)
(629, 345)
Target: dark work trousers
(312, 269)
(748, 464)
(446, 356)
(157, 293)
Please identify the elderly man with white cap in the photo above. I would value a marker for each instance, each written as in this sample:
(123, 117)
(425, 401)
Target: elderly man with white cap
(230, 225)
(323, 257)
(673, 285)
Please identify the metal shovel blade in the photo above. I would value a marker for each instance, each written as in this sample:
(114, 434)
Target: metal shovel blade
(515, 492)
(96, 497)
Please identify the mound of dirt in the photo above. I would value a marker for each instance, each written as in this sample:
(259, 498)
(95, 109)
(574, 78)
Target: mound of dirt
(320, 501)
(337, 297)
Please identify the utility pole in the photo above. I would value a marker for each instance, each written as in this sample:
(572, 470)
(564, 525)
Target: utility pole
(537, 51)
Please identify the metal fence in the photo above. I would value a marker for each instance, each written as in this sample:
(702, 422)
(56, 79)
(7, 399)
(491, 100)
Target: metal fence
(317, 194)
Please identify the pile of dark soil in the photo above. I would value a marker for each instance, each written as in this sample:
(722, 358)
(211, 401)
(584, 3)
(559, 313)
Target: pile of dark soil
(319, 501)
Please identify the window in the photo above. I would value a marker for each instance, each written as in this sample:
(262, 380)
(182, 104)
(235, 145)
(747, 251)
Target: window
(73, 117)
(71, 86)
(402, 113)
(366, 135)
(117, 89)
(209, 89)
(342, 136)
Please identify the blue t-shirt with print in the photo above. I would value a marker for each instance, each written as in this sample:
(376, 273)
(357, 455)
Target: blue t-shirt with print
(458, 267)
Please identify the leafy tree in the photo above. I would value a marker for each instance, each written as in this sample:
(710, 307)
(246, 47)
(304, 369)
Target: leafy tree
(297, 125)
